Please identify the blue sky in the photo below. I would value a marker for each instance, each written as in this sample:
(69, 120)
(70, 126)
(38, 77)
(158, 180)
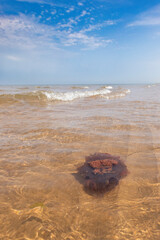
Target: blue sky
(79, 41)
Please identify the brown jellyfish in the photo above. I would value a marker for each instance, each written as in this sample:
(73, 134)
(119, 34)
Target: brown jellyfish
(101, 172)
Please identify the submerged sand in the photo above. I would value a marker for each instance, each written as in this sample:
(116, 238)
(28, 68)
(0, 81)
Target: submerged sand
(43, 143)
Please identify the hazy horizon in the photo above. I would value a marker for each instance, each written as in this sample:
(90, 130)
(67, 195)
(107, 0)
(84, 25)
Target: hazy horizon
(79, 84)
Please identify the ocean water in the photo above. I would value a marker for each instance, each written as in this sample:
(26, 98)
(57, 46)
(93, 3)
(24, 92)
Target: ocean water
(45, 134)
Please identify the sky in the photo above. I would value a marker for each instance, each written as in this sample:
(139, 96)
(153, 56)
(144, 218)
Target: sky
(79, 41)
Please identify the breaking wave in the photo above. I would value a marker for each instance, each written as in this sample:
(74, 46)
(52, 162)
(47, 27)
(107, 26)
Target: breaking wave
(118, 94)
(69, 96)
(53, 96)
(106, 87)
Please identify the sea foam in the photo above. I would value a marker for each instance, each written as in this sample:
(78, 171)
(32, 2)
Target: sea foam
(69, 96)
(118, 94)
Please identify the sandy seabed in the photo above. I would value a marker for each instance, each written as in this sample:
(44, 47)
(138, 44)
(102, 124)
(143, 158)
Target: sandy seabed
(42, 145)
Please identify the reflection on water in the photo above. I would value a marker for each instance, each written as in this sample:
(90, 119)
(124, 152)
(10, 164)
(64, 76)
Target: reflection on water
(42, 145)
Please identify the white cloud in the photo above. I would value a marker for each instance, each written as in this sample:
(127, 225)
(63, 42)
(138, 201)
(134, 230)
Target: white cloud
(92, 19)
(13, 58)
(84, 13)
(26, 33)
(147, 21)
(89, 42)
(48, 2)
(48, 19)
(73, 21)
(80, 4)
(71, 9)
(54, 12)
(147, 18)
(69, 24)
(98, 26)
(32, 1)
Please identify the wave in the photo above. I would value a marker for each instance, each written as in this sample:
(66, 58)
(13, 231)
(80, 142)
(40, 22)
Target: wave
(79, 87)
(152, 85)
(44, 96)
(69, 96)
(106, 87)
(51, 96)
(118, 94)
(35, 96)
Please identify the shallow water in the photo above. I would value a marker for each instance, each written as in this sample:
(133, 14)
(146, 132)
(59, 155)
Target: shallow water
(46, 132)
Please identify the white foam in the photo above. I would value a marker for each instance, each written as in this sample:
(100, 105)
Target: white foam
(108, 87)
(86, 87)
(152, 85)
(128, 91)
(118, 94)
(69, 96)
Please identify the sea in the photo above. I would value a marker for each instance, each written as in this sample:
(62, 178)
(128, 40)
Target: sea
(46, 131)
